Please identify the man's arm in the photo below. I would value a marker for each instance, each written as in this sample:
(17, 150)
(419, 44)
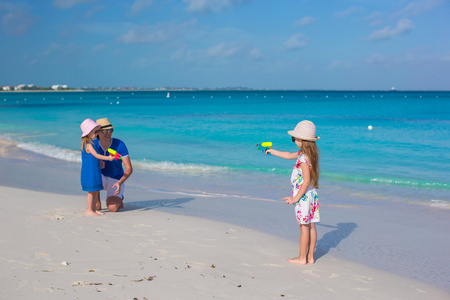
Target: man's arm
(128, 170)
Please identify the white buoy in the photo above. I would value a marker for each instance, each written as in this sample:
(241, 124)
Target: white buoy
(370, 127)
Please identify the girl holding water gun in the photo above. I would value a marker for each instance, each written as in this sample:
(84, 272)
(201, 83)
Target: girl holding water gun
(304, 180)
(91, 177)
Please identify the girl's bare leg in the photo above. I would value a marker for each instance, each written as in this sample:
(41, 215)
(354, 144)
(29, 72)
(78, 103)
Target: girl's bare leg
(312, 243)
(97, 202)
(91, 211)
(304, 241)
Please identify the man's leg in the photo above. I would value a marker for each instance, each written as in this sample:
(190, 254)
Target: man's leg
(114, 203)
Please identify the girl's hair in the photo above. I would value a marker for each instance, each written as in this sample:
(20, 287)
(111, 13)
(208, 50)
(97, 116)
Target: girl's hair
(84, 141)
(312, 151)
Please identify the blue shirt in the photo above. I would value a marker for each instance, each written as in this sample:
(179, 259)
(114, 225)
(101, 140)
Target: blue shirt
(113, 169)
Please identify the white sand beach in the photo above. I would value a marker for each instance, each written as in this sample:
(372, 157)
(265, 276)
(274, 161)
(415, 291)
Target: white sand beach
(51, 250)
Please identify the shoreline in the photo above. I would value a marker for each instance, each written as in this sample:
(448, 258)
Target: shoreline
(360, 234)
(168, 89)
(57, 251)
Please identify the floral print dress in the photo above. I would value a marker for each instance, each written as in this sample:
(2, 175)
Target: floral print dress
(307, 208)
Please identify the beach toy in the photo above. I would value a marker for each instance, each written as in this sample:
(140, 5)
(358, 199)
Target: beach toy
(114, 153)
(264, 147)
(370, 127)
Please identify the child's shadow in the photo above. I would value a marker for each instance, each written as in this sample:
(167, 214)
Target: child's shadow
(333, 238)
(159, 203)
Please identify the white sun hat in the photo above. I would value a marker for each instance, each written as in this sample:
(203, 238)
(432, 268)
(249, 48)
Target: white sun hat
(305, 130)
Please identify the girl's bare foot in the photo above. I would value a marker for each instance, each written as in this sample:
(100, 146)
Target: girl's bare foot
(93, 213)
(311, 260)
(99, 212)
(297, 260)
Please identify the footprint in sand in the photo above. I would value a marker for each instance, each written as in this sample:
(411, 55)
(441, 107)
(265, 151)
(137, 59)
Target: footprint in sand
(273, 265)
(142, 225)
(364, 279)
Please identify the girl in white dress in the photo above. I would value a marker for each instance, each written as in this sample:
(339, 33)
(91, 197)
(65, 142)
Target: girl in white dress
(305, 181)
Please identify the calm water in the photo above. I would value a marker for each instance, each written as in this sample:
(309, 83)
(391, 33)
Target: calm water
(204, 141)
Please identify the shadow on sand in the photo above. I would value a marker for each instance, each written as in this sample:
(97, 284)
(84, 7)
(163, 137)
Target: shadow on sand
(159, 203)
(333, 238)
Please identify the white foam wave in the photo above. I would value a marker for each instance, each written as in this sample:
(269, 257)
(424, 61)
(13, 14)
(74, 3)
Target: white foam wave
(177, 167)
(440, 204)
(167, 166)
(52, 151)
(209, 194)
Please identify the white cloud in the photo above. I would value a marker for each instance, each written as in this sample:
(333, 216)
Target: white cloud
(375, 19)
(63, 4)
(224, 50)
(94, 10)
(63, 50)
(255, 54)
(296, 42)
(234, 51)
(142, 63)
(140, 5)
(159, 33)
(99, 47)
(349, 11)
(305, 21)
(404, 26)
(420, 7)
(205, 6)
(378, 59)
(340, 65)
(181, 54)
(17, 21)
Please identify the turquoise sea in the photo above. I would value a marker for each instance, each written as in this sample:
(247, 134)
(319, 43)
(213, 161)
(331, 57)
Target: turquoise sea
(203, 142)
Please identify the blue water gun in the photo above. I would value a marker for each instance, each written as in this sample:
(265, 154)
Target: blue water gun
(264, 147)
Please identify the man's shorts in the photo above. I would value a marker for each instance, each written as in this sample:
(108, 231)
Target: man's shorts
(108, 183)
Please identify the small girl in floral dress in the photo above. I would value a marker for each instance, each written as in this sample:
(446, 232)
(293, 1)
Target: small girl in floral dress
(304, 180)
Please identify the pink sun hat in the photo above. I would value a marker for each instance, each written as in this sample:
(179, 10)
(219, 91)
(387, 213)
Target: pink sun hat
(87, 126)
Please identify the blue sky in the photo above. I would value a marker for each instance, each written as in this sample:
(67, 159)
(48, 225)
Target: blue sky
(267, 44)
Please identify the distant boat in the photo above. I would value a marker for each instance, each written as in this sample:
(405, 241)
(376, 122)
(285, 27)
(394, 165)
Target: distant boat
(393, 89)
(168, 95)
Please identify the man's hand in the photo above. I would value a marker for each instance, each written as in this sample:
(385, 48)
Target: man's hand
(117, 187)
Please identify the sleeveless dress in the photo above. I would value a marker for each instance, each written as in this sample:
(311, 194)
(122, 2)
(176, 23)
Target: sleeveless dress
(91, 176)
(307, 208)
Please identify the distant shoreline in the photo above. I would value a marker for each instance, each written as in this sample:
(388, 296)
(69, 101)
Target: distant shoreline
(213, 90)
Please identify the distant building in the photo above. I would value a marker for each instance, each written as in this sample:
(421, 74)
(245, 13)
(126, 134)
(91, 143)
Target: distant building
(22, 87)
(59, 87)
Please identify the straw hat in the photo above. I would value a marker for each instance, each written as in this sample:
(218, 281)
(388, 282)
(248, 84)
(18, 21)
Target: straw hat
(105, 123)
(305, 130)
(87, 126)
